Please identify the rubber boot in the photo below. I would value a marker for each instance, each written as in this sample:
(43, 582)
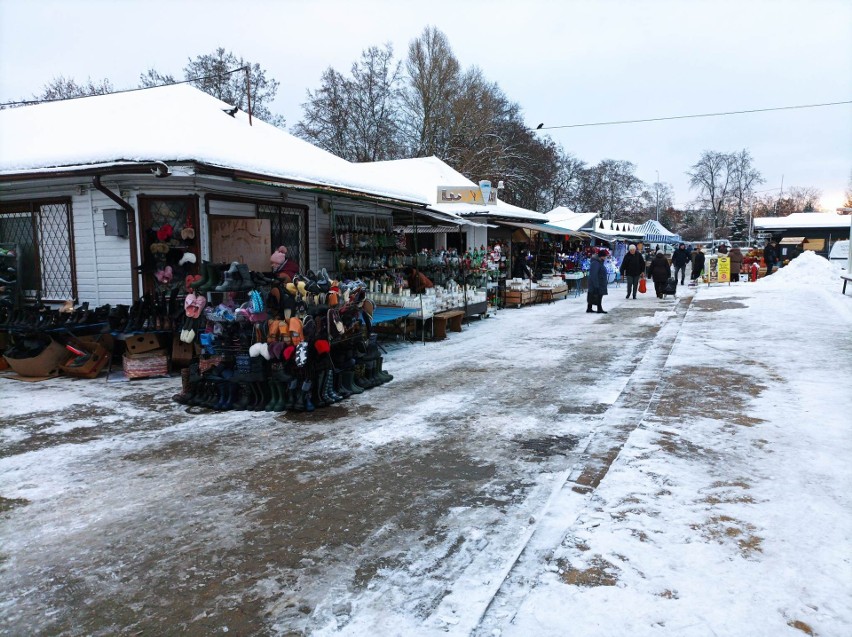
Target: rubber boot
(214, 278)
(381, 373)
(338, 386)
(244, 399)
(186, 391)
(273, 399)
(257, 401)
(299, 402)
(333, 396)
(230, 395)
(349, 382)
(204, 271)
(292, 389)
(244, 275)
(319, 397)
(282, 396)
(221, 391)
(306, 391)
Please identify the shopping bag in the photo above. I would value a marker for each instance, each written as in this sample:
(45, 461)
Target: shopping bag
(643, 287)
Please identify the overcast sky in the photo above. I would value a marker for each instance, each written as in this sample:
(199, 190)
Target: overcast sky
(564, 62)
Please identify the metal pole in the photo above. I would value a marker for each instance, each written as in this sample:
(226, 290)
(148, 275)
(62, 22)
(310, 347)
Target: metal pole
(248, 91)
(657, 188)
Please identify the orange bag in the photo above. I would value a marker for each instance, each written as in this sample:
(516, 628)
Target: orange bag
(643, 287)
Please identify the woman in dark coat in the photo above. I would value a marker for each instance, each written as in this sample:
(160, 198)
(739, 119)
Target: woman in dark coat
(697, 263)
(597, 282)
(660, 273)
(736, 256)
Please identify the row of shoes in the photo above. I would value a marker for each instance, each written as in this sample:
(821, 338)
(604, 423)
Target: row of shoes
(221, 391)
(40, 317)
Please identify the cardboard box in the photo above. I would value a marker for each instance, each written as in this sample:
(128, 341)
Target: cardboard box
(141, 343)
(45, 364)
(99, 357)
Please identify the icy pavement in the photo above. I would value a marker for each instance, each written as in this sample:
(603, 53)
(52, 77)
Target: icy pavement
(675, 467)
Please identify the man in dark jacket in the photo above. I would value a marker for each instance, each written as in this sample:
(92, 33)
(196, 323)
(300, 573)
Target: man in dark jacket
(632, 268)
(597, 282)
(679, 260)
(697, 263)
(770, 256)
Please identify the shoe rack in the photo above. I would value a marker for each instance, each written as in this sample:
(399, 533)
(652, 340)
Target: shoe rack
(365, 244)
(10, 257)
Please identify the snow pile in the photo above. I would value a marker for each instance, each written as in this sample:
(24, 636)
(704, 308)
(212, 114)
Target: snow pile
(807, 269)
(658, 319)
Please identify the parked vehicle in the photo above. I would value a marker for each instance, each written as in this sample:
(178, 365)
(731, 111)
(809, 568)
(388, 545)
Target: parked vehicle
(839, 253)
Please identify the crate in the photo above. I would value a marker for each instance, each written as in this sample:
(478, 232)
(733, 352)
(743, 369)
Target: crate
(146, 365)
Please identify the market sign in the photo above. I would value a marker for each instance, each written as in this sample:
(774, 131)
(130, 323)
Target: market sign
(465, 194)
(724, 268)
(718, 270)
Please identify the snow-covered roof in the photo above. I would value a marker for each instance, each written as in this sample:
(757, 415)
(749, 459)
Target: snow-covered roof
(563, 217)
(423, 176)
(171, 123)
(803, 220)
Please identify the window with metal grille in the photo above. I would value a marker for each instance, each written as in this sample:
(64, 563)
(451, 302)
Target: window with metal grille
(288, 225)
(43, 233)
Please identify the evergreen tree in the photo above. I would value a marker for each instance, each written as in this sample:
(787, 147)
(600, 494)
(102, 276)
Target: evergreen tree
(739, 227)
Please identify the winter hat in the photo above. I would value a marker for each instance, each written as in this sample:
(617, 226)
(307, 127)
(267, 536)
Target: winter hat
(188, 257)
(603, 253)
(165, 232)
(288, 352)
(190, 279)
(279, 256)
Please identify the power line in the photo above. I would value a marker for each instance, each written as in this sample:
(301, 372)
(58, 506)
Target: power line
(127, 90)
(662, 119)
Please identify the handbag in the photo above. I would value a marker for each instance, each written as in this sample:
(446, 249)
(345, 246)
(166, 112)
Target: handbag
(643, 287)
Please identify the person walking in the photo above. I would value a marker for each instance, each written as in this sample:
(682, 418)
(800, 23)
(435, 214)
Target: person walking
(736, 256)
(632, 269)
(679, 260)
(770, 256)
(597, 282)
(697, 263)
(660, 273)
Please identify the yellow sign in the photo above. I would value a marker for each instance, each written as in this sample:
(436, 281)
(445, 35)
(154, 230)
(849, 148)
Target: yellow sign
(724, 268)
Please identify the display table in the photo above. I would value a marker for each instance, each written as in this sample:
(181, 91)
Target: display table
(550, 294)
(577, 278)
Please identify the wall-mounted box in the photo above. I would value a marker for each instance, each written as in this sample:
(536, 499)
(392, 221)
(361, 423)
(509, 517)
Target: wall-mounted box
(115, 222)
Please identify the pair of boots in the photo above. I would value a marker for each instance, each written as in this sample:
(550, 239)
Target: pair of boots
(233, 278)
(589, 309)
(326, 392)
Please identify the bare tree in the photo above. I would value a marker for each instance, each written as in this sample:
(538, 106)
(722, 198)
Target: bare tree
(432, 83)
(152, 78)
(713, 176)
(62, 87)
(214, 76)
(373, 103)
(326, 116)
(609, 188)
(356, 117)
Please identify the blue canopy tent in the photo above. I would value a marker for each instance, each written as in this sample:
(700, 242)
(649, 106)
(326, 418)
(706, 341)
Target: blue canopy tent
(655, 232)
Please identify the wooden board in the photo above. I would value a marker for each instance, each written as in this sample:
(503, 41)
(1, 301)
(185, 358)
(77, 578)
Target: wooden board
(247, 241)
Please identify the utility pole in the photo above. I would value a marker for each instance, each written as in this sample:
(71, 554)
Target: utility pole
(657, 189)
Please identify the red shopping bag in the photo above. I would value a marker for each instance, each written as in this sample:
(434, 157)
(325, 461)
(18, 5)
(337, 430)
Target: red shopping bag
(642, 286)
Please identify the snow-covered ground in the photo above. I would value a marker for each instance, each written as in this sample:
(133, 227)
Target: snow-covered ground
(675, 467)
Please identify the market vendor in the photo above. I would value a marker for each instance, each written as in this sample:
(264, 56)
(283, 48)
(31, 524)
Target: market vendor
(417, 281)
(282, 266)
